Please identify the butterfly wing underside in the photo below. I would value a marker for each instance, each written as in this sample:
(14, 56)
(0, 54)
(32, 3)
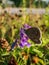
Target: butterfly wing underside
(34, 34)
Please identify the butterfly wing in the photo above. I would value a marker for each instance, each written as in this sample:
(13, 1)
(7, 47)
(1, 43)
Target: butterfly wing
(34, 34)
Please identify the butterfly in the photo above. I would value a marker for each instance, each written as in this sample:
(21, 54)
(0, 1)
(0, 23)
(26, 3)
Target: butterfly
(34, 34)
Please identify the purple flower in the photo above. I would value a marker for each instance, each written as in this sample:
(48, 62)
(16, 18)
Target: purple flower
(28, 45)
(23, 37)
(22, 34)
(24, 43)
(26, 26)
